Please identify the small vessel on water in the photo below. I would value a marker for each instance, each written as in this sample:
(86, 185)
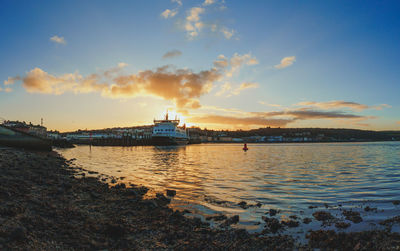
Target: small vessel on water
(14, 138)
(167, 132)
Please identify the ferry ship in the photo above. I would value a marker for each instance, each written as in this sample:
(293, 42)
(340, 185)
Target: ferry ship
(166, 132)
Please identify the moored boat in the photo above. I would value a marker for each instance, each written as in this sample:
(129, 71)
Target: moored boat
(167, 132)
(14, 138)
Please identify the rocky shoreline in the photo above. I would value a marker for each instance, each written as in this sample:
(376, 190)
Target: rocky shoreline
(45, 205)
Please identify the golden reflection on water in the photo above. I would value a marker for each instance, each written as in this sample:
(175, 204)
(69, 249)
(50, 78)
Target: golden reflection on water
(286, 176)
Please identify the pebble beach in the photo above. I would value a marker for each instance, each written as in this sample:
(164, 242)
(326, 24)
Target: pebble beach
(46, 205)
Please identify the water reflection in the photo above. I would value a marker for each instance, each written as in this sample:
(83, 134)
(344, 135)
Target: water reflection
(286, 176)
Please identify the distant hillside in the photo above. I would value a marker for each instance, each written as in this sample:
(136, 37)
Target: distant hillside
(323, 133)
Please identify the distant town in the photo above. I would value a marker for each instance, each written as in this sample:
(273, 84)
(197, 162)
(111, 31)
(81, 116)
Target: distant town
(141, 135)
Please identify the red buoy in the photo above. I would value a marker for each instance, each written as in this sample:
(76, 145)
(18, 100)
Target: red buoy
(245, 147)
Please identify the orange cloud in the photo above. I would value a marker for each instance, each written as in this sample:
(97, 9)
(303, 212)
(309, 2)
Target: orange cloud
(182, 86)
(275, 118)
(334, 104)
(39, 81)
(342, 104)
(306, 113)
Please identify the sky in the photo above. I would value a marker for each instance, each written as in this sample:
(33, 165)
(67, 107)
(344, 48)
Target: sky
(217, 64)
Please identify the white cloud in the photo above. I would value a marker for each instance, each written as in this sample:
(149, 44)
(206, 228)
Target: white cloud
(169, 13)
(122, 65)
(6, 89)
(58, 40)
(286, 62)
(238, 60)
(194, 14)
(227, 33)
(208, 2)
(381, 106)
(224, 88)
(221, 62)
(193, 24)
(267, 104)
(179, 2)
(244, 86)
(227, 88)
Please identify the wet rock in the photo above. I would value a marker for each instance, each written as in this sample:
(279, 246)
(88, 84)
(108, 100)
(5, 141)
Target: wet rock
(396, 202)
(352, 216)
(171, 193)
(217, 217)
(120, 186)
(342, 224)
(131, 192)
(113, 181)
(312, 207)
(258, 204)
(232, 220)
(294, 217)
(114, 231)
(290, 223)
(161, 198)
(307, 220)
(389, 222)
(272, 224)
(151, 204)
(243, 204)
(273, 212)
(368, 209)
(17, 234)
(366, 240)
(322, 216)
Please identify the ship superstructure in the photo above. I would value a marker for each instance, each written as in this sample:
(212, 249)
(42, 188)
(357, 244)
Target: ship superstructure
(167, 132)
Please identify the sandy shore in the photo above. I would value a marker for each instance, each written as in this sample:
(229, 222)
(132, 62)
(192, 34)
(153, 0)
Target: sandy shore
(43, 205)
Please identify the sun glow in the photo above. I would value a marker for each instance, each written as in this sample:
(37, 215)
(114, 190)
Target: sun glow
(173, 114)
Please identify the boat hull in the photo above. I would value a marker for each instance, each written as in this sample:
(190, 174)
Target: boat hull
(13, 138)
(169, 141)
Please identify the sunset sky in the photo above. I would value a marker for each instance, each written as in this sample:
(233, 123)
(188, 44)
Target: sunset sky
(217, 63)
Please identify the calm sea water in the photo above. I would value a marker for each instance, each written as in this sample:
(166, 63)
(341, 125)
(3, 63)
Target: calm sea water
(214, 178)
